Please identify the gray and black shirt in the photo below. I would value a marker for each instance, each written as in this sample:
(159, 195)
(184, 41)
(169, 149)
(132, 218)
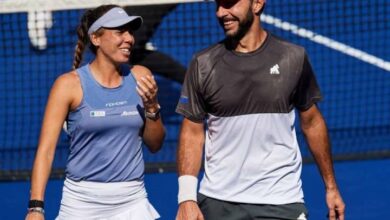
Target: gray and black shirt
(248, 100)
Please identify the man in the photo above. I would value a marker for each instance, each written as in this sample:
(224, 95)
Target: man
(247, 88)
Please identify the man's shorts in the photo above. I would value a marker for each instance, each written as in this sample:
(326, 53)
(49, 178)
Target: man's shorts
(214, 209)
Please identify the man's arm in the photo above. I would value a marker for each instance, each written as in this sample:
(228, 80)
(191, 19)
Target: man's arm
(315, 131)
(189, 158)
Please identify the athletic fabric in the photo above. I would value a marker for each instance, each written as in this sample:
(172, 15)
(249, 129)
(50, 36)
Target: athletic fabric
(251, 150)
(213, 209)
(105, 201)
(105, 131)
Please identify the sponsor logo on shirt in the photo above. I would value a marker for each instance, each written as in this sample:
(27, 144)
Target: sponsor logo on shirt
(97, 114)
(274, 70)
(302, 217)
(112, 104)
(129, 113)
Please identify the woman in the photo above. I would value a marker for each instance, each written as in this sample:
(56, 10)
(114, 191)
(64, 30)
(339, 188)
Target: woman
(110, 109)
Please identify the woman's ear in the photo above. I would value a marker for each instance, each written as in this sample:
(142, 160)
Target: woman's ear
(95, 40)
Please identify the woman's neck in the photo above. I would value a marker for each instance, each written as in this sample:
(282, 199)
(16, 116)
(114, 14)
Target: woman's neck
(107, 74)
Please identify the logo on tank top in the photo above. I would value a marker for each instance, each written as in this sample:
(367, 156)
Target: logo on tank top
(129, 113)
(112, 104)
(96, 114)
(274, 70)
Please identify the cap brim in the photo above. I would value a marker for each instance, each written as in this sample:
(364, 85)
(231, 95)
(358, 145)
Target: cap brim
(134, 22)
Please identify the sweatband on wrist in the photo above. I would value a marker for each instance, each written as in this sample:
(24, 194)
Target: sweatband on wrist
(36, 209)
(36, 203)
(188, 186)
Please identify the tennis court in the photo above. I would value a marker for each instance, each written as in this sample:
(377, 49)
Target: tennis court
(364, 185)
(348, 45)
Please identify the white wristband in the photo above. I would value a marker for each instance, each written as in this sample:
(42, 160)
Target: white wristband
(188, 186)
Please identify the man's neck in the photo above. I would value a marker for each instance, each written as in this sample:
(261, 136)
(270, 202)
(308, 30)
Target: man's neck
(251, 41)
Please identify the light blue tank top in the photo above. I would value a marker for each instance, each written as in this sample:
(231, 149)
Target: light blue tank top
(105, 131)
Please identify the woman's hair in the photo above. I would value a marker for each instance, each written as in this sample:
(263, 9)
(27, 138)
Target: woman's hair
(88, 18)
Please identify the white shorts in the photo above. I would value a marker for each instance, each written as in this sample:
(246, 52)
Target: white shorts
(105, 201)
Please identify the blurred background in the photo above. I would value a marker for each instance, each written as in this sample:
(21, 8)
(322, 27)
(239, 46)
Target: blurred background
(347, 42)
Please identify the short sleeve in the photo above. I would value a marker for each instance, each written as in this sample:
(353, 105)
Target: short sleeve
(191, 103)
(307, 91)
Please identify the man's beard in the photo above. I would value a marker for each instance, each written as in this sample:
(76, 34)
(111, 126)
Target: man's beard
(243, 27)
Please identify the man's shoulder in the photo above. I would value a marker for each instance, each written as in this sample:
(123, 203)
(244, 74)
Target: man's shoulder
(211, 52)
(284, 45)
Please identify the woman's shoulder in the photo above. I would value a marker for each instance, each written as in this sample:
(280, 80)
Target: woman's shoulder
(68, 80)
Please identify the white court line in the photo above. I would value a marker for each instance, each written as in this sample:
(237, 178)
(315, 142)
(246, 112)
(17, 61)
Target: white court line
(327, 42)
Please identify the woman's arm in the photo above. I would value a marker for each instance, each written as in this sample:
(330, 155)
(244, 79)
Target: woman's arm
(61, 98)
(154, 132)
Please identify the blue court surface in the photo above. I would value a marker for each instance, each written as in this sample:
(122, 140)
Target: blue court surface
(365, 186)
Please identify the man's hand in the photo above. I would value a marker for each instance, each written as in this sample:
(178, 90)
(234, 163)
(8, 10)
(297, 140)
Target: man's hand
(335, 204)
(189, 210)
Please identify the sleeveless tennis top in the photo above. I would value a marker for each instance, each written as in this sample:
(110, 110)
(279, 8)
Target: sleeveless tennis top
(105, 131)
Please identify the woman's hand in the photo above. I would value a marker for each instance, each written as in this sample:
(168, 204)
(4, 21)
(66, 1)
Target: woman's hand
(147, 90)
